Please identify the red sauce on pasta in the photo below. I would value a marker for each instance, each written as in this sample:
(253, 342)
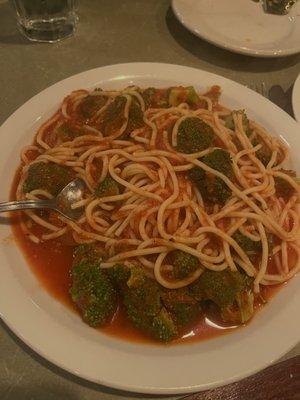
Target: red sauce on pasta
(51, 262)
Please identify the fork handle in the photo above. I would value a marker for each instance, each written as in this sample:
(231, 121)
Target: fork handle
(26, 205)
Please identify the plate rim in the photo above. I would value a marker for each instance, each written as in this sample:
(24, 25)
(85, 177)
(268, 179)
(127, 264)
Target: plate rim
(295, 96)
(232, 47)
(144, 389)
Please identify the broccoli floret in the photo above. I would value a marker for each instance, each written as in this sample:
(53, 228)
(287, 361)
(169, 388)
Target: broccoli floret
(113, 117)
(156, 98)
(47, 176)
(144, 308)
(264, 154)
(69, 131)
(119, 275)
(87, 252)
(229, 122)
(182, 94)
(282, 187)
(231, 292)
(181, 305)
(248, 245)
(194, 135)
(163, 327)
(142, 299)
(184, 264)
(92, 290)
(219, 160)
(213, 189)
(108, 187)
(90, 105)
(135, 118)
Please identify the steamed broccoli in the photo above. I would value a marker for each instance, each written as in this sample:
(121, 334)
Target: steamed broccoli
(219, 160)
(119, 275)
(92, 290)
(113, 117)
(230, 291)
(47, 176)
(156, 98)
(142, 300)
(90, 105)
(69, 131)
(248, 245)
(229, 122)
(184, 264)
(264, 154)
(135, 118)
(182, 94)
(87, 252)
(181, 305)
(163, 326)
(108, 187)
(282, 187)
(194, 135)
(213, 189)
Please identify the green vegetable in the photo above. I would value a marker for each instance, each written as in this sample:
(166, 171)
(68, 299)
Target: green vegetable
(219, 160)
(229, 122)
(135, 118)
(181, 305)
(47, 176)
(213, 189)
(142, 303)
(194, 135)
(68, 131)
(182, 94)
(230, 291)
(90, 105)
(163, 327)
(87, 252)
(113, 117)
(142, 300)
(92, 290)
(248, 245)
(283, 188)
(156, 98)
(119, 275)
(184, 264)
(264, 154)
(108, 187)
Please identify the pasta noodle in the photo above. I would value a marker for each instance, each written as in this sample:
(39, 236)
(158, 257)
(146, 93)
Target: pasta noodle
(158, 209)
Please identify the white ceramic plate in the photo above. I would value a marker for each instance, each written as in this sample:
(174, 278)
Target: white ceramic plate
(296, 99)
(59, 335)
(241, 26)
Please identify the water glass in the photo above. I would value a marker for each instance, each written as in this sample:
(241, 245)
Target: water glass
(46, 20)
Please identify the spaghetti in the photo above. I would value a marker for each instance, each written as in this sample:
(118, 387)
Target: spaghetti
(133, 140)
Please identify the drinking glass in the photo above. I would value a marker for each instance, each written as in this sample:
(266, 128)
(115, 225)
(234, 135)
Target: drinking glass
(46, 20)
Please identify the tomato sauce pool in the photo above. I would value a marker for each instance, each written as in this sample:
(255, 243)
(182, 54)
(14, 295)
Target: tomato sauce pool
(51, 262)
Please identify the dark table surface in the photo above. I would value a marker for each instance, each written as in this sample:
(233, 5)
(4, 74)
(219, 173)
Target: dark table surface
(109, 32)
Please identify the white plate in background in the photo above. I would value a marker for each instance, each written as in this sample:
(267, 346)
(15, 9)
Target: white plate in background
(241, 26)
(59, 335)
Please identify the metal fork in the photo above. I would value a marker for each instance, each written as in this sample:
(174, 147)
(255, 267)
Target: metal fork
(260, 88)
(276, 94)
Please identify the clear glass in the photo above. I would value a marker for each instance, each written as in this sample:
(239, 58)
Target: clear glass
(46, 20)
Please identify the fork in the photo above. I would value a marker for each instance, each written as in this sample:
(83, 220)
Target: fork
(260, 88)
(276, 94)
